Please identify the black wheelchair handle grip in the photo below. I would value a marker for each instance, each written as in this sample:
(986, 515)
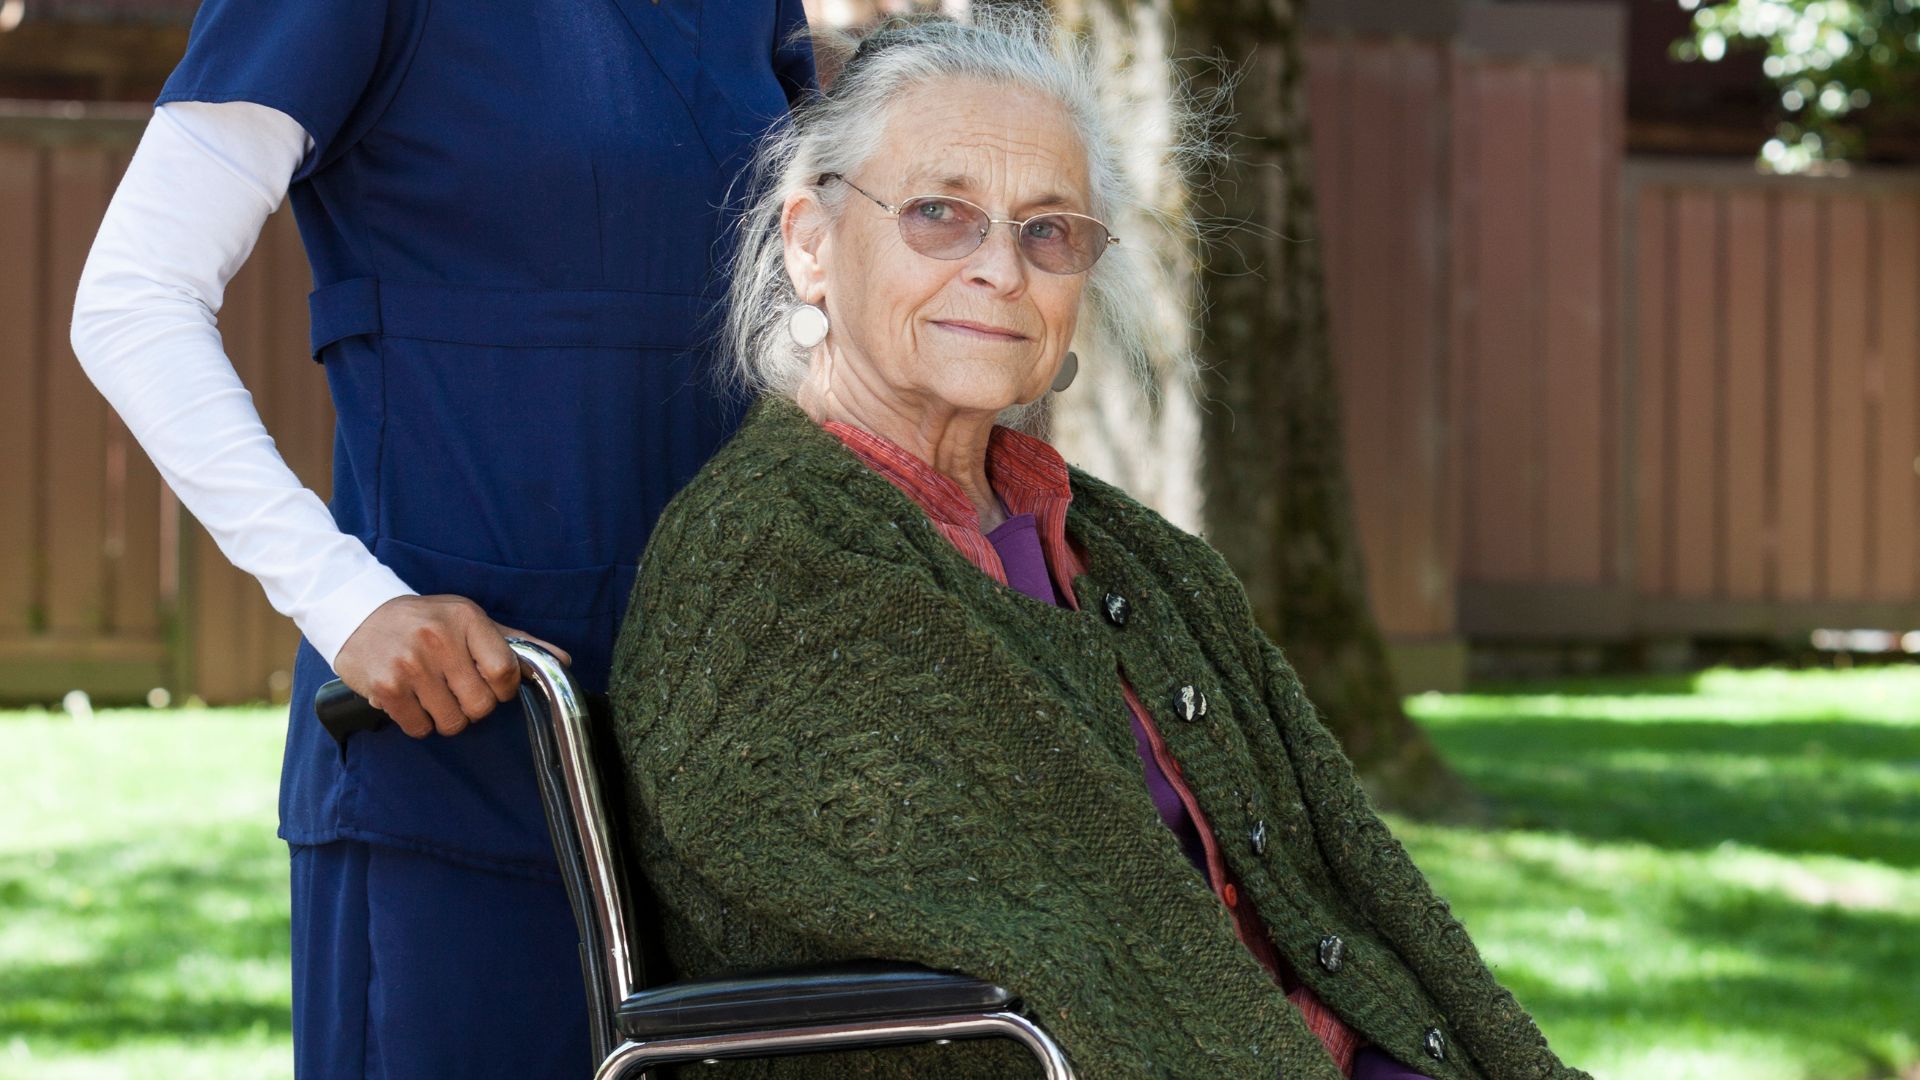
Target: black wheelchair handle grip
(343, 712)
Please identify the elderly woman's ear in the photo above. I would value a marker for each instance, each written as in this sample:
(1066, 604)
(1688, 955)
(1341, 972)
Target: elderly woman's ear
(803, 230)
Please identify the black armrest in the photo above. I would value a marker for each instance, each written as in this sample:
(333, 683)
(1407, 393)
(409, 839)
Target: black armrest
(868, 990)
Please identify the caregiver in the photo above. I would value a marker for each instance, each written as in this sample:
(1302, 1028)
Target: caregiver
(514, 213)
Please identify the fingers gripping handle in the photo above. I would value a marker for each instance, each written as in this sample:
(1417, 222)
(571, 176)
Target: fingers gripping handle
(343, 712)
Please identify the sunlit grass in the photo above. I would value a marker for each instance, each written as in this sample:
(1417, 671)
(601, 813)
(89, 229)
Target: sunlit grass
(1700, 877)
(1709, 876)
(143, 897)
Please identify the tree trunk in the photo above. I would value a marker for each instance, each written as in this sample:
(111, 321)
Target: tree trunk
(1273, 475)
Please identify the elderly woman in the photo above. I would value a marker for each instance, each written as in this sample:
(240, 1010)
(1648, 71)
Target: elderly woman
(899, 683)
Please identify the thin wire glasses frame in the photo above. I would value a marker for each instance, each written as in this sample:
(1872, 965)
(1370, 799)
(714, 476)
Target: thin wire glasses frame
(1065, 258)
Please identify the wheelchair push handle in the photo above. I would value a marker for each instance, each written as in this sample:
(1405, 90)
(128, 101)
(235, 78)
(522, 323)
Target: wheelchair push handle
(344, 713)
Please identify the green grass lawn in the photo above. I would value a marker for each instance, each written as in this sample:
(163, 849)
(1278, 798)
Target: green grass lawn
(143, 897)
(1715, 876)
(1704, 877)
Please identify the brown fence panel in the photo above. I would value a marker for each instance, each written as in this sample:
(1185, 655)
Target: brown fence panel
(1667, 398)
(1799, 317)
(75, 452)
(1896, 356)
(1424, 557)
(1370, 367)
(109, 588)
(1576, 361)
(1692, 410)
(1653, 315)
(1467, 176)
(1846, 278)
(1502, 429)
(1778, 424)
(1743, 329)
(1381, 195)
(82, 605)
(20, 300)
(1534, 213)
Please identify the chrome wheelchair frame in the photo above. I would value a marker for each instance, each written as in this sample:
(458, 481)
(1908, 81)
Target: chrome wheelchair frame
(863, 1005)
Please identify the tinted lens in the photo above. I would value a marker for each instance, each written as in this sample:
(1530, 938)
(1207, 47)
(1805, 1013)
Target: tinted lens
(1063, 243)
(941, 228)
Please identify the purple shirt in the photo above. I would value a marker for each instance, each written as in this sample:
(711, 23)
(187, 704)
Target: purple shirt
(1017, 541)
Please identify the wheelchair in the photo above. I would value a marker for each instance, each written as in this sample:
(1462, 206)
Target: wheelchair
(635, 1026)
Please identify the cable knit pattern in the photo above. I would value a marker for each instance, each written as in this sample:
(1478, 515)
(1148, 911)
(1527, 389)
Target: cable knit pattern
(843, 740)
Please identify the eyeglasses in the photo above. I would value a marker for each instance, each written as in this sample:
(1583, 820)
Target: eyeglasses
(945, 227)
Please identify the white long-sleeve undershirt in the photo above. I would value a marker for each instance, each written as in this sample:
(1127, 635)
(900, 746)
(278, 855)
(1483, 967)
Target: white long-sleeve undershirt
(201, 185)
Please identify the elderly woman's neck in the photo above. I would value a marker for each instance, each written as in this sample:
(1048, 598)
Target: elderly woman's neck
(953, 441)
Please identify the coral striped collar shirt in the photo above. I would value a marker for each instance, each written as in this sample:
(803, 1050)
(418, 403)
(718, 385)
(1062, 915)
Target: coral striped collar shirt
(1030, 477)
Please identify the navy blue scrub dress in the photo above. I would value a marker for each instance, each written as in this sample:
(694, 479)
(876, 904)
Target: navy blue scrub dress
(514, 212)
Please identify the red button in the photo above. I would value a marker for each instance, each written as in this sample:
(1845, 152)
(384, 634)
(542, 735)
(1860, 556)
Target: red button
(1231, 895)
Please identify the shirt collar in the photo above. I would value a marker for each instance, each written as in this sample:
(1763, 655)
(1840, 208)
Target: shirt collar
(1025, 472)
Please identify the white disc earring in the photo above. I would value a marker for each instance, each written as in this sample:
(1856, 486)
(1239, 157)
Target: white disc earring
(807, 325)
(1068, 369)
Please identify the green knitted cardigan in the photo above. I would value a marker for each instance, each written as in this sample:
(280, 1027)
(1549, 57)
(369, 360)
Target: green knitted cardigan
(842, 740)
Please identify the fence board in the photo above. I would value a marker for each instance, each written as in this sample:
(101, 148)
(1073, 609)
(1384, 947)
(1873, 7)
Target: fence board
(1847, 281)
(1462, 215)
(1367, 361)
(1616, 478)
(1503, 470)
(1575, 157)
(75, 437)
(1745, 450)
(20, 195)
(1426, 569)
(1897, 352)
(1697, 401)
(1652, 316)
(1796, 439)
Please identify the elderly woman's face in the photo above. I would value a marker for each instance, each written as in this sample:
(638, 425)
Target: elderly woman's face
(981, 332)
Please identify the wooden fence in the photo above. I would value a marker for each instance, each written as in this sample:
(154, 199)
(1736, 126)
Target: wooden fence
(1587, 398)
(1467, 164)
(108, 586)
(1775, 338)
(1598, 399)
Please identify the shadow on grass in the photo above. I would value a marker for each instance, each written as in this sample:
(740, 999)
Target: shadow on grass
(1815, 787)
(1837, 984)
(179, 936)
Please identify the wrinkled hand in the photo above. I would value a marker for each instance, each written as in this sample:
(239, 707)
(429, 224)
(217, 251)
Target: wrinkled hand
(433, 663)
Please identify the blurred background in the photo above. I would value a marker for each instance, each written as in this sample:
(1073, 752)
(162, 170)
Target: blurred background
(1551, 374)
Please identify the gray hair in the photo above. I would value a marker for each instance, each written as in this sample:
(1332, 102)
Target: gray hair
(839, 130)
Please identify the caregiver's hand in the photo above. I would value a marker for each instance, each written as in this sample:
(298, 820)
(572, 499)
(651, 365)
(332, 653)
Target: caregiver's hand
(433, 663)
